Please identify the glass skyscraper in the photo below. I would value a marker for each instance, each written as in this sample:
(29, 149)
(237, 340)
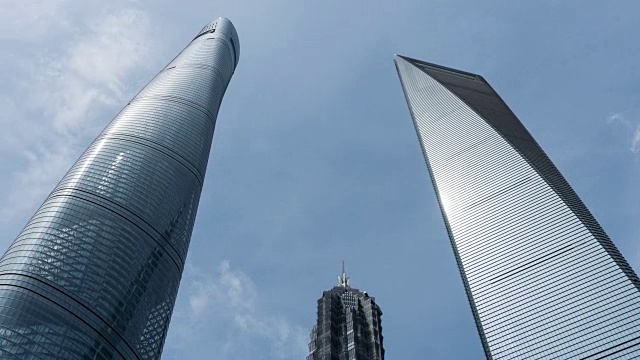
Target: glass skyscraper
(95, 272)
(349, 325)
(543, 279)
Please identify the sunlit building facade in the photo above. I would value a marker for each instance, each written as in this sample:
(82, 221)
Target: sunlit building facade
(349, 325)
(95, 272)
(543, 279)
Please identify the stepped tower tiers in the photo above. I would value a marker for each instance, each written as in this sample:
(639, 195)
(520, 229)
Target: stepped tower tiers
(349, 325)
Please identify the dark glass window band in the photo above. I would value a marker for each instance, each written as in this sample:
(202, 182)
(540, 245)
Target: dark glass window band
(80, 317)
(205, 33)
(613, 347)
(159, 148)
(176, 99)
(70, 192)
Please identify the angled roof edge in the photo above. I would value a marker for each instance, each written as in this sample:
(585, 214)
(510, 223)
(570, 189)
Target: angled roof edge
(441, 68)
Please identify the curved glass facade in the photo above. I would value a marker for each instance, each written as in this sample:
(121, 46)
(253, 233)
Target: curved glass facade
(95, 272)
(543, 279)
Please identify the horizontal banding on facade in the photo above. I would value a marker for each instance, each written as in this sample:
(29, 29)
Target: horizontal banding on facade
(99, 264)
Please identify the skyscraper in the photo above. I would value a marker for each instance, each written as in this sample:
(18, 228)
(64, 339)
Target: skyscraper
(542, 277)
(349, 325)
(95, 272)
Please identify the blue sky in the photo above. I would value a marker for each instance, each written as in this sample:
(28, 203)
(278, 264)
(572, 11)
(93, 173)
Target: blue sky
(315, 158)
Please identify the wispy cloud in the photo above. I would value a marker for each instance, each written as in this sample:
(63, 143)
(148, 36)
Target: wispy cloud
(618, 118)
(635, 141)
(95, 69)
(34, 19)
(228, 304)
(66, 94)
(632, 125)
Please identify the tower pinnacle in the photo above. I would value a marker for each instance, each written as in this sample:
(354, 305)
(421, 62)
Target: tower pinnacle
(343, 280)
(355, 331)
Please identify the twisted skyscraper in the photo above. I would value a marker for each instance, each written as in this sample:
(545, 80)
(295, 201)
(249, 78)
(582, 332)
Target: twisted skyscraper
(543, 279)
(95, 272)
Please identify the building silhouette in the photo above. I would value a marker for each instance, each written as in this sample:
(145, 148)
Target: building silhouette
(95, 272)
(542, 277)
(349, 325)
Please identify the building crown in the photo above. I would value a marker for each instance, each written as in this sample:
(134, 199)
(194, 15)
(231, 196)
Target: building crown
(343, 280)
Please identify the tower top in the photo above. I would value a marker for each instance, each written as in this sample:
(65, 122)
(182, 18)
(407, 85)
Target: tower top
(343, 280)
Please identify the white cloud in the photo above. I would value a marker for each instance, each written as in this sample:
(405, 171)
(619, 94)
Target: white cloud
(228, 305)
(31, 184)
(93, 72)
(618, 118)
(64, 96)
(32, 19)
(635, 141)
(634, 126)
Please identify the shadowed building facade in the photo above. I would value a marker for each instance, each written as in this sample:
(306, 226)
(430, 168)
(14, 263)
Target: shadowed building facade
(349, 325)
(95, 272)
(543, 279)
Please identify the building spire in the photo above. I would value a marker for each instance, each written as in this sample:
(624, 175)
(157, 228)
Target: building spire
(343, 280)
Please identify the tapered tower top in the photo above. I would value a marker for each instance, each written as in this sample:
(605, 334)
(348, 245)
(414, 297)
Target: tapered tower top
(356, 324)
(343, 280)
(223, 28)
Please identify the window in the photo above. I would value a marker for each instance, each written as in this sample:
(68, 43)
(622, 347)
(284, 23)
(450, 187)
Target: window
(233, 45)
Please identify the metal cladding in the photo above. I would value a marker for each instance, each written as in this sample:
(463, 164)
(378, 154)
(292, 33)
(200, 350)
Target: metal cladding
(95, 272)
(542, 277)
(349, 325)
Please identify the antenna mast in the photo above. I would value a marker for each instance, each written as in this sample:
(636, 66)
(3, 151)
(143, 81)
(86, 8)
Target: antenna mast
(343, 279)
